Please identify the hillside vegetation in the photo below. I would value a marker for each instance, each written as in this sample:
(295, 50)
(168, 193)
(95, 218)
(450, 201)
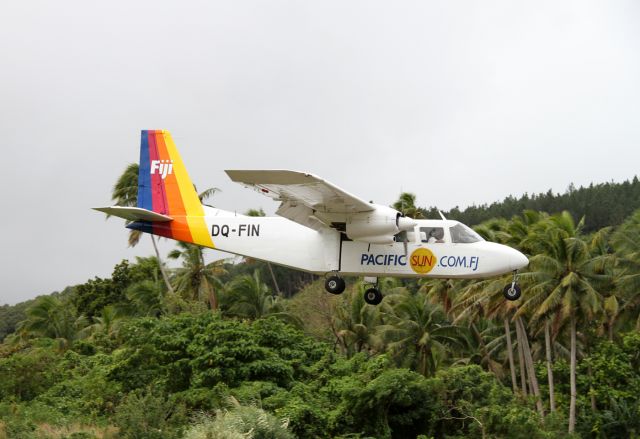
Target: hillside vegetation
(249, 350)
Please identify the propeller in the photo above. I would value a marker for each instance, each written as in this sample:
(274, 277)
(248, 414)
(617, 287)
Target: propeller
(402, 236)
(404, 224)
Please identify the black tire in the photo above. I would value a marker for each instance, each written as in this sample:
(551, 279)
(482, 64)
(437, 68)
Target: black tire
(334, 285)
(373, 296)
(512, 292)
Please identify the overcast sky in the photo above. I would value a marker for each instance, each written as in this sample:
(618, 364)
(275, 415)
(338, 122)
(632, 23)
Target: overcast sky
(460, 102)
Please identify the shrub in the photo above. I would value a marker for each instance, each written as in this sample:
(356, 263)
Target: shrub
(145, 414)
(239, 423)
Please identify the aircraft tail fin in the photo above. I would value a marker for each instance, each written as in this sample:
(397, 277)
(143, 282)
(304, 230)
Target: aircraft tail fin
(164, 188)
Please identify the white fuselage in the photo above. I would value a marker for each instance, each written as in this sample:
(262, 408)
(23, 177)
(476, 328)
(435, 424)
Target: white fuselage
(287, 243)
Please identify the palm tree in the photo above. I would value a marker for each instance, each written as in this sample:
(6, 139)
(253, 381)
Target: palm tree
(260, 212)
(107, 324)
(356, 323)
(450, 293)
(249, 297)
(53, 318)
(626, 242)
(206, 194)
(146, 297)
(484, 298)
(195, 279)
(442, 291)
(406, 205)
(487, 295)
(125, 193)
(418, 333)
(561, 283)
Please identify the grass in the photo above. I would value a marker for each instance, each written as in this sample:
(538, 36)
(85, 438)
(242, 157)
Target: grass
(47, 431)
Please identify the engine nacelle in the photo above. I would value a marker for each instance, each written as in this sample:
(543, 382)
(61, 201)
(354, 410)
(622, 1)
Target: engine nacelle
(378, 226)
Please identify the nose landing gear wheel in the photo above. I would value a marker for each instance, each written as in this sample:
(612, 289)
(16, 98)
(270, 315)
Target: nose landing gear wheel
(334, 285)
(373, 296)
(512, 291)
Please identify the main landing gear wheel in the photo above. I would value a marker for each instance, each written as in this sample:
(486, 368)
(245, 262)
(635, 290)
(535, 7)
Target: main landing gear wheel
(334, 285)
(373, 296)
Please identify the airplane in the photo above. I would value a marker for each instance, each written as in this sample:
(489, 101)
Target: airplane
(320, 228)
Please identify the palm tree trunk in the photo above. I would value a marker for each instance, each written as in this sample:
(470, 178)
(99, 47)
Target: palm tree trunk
(572, 404)
(483, 348)
(211, 295)
(533, 380)
(213, 300)
(547, 344)
(523, 375)
(275, 282)
(592, 394)
(161, 265)
(512, 368)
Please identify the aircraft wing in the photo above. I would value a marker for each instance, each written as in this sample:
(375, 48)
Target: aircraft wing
(304, 197)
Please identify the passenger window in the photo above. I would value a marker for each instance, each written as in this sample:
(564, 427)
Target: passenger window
(432, 234)
(461, 234)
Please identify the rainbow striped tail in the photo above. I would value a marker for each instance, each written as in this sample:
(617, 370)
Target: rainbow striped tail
(168, 204)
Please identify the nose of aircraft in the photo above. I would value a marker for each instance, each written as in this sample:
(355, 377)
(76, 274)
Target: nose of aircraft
(518, 260)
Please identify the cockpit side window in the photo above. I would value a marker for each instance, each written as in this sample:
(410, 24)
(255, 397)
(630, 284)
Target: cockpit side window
(461, 234)
(432, 234)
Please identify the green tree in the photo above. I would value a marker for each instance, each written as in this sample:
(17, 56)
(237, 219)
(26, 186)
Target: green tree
(90, 297)
(53, 318)
(107, 323)
(29, 373)
(147, 299)
(485, 298)
(417, 332)
(406, 204)
(398, 403)
(10, 316)
(626, 242)
(477, 405)
(125, 193)
(356, 324)
(197, 280)
(260, 212)
(147, 414)
(247, 296)
(561, 284)
(441, 291)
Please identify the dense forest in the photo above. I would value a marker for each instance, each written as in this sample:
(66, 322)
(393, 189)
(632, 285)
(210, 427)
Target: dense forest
(602, 205)
(251, 350)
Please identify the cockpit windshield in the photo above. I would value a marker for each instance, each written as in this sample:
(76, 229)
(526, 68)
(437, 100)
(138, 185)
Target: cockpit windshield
(461, 234)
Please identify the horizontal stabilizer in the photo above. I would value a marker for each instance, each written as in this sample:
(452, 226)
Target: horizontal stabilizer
(134, 213)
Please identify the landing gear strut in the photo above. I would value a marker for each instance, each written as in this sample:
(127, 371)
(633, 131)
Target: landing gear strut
(512, 290)
(334, 284)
